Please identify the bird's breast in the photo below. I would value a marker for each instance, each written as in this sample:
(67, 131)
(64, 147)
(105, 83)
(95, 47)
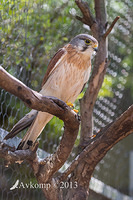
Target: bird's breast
(66, 82)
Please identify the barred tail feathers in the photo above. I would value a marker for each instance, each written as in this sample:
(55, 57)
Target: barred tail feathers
(22, 124)
(35, 130)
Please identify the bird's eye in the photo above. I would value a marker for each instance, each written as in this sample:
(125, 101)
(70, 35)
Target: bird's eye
(87, 42)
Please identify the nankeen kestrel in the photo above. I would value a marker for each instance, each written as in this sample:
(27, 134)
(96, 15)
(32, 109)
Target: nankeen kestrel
(66, 75)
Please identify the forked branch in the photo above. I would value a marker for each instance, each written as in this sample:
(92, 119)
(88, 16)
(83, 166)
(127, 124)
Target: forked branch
(87, 18)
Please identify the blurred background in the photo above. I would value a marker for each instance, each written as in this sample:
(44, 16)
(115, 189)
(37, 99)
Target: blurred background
(31, 31)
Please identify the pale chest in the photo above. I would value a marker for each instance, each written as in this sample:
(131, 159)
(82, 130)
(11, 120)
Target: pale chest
(66, 82)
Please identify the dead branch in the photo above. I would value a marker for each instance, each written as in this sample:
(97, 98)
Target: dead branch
(111, 27)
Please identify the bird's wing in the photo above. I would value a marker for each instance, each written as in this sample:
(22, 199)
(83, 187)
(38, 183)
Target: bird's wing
(42, 118)
(23, 123)
(53, 64)
(27, 120)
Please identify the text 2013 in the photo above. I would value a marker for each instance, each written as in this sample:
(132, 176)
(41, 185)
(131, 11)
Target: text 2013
(66, 185)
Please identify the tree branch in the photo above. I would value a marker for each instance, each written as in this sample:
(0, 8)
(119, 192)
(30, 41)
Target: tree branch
(11, 155)
(111, 27)
(98, 29)
(88, 101)
(54, 162)
(87, 15)
(103, 142)
(100, 11)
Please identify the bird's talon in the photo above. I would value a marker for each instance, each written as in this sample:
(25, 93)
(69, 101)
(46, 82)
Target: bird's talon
(93, 136)
(75, 110)
(69, 104)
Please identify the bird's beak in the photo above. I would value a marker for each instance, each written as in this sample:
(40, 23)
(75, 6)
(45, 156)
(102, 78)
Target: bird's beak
(95, 47)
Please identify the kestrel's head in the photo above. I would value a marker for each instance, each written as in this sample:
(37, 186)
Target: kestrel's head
(85, 43)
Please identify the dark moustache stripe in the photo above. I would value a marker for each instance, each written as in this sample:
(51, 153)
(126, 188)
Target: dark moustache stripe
(84, 48)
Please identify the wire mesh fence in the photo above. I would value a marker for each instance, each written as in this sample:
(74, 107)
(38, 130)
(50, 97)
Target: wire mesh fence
(30, 33)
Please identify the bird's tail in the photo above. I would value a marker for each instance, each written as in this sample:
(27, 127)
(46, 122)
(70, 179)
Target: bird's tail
(35, 130)
(23, 123)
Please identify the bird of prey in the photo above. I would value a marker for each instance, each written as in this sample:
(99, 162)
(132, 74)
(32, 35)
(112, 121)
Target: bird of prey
(66, 76)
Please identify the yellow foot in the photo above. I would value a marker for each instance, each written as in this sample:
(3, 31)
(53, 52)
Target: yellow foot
(72, 106)
(69, 104)
(75, 110)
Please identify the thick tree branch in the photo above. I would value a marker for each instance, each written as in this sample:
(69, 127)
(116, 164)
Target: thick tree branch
(105, 139)
(88, 101)
(121, 128)
(100, 11)
(97, 27)
(84, 165)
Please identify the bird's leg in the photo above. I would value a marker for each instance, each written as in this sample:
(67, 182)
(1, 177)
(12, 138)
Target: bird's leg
(71, 106)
